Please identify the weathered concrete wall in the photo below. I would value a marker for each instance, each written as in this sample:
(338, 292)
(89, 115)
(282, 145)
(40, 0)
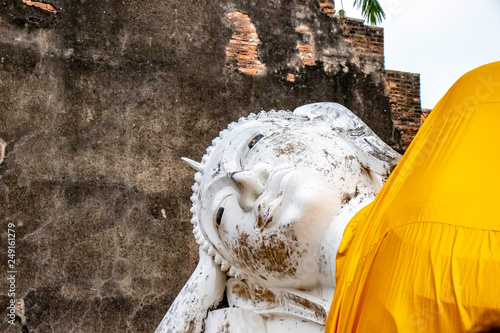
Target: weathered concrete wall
(99, 101)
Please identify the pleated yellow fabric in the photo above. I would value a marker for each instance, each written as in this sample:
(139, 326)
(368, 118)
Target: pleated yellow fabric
(425, 255)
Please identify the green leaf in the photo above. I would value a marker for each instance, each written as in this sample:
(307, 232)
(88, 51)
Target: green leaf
(371, 10)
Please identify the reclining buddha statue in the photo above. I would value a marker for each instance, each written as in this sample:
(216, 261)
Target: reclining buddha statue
(271, 200)
(301, 231)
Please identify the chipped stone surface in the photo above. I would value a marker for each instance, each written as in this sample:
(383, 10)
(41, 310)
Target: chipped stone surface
(21, 311)
(2, 150)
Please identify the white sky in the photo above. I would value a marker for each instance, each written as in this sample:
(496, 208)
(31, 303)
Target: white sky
(440, 39)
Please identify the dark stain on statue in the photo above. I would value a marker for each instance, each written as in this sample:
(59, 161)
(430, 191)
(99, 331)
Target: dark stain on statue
(275, 254)
(334, 163)
(288, 149)
(319, 311)
(349, 196)
(262, 222)
(348, 161)
(191, 327)
(255, 293)
(225, 328)
(264, 294)
(242, 291)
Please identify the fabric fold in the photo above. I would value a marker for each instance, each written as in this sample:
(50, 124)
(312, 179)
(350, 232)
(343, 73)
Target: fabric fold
(425, 255)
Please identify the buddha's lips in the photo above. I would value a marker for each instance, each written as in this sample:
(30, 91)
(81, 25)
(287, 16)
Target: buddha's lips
(274, 190)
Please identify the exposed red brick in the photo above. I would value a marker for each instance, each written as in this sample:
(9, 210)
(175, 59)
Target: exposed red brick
(365, 39)
(45, 6)
(306, 47)
(327, 7)
(403, 90)
(290, 77)
(304, 29)
(242, 51)
(425, 114)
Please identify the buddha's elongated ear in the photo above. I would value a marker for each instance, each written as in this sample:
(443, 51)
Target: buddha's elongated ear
(203, 291)
(371, 157)
(379, 170)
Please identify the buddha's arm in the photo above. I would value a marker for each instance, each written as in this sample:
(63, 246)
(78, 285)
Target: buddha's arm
(203, 291)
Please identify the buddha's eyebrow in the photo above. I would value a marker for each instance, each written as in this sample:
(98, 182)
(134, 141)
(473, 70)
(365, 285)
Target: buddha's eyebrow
(221, 200)
(250, 145)
(235, 163)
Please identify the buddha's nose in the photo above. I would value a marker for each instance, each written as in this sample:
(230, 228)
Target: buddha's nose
(251, 184)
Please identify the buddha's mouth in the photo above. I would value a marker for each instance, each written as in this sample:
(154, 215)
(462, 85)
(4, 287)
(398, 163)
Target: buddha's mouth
(272, 196)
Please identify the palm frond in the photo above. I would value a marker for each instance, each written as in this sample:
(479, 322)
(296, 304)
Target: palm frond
(371, 10)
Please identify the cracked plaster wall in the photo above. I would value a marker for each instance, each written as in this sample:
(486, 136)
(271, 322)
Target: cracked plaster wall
(99, 101)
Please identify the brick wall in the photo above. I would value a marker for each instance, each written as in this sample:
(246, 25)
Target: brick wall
(425, 114)
(364, 39)
(327, 7)
(403, 90)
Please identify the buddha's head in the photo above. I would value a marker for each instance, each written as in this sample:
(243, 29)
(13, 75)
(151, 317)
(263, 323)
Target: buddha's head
(271, 185)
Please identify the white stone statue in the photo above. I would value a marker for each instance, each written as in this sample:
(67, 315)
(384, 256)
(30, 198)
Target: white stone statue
(272, 197)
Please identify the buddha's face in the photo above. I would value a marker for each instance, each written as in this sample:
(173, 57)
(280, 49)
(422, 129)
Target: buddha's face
(270, 190)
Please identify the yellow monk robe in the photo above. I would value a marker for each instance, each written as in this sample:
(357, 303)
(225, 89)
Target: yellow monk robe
(425, 255)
